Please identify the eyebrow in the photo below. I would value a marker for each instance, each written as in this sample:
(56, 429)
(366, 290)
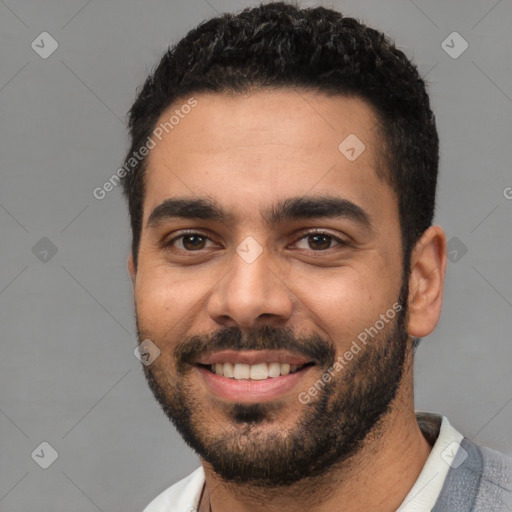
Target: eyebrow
(294, 208)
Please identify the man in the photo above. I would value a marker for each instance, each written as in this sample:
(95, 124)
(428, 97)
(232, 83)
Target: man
(281, 186)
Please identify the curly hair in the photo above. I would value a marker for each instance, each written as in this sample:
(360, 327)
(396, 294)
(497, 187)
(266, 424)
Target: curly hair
(279, 45)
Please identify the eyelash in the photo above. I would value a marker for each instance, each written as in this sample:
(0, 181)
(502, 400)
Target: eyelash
(169, 244)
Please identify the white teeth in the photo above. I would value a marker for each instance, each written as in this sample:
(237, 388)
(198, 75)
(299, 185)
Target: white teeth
(227, 370)
(274, 369)
(241, 371)
(260, 371)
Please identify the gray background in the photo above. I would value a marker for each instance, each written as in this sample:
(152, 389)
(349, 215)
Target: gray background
(68, 373)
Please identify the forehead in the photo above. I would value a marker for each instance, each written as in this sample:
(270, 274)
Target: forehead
(245, 149)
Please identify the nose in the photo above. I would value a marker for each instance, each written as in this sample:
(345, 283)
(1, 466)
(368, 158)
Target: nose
(251, 294)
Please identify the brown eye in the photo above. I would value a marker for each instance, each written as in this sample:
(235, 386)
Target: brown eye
(193, 242)
(188, 242)
(319, 241)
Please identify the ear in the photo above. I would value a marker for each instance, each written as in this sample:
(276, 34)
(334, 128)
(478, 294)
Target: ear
(131, 268)
(426, 282)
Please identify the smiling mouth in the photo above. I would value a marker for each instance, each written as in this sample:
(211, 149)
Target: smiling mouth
(257, 372)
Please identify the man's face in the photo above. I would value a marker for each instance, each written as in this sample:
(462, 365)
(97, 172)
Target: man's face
(280, 271)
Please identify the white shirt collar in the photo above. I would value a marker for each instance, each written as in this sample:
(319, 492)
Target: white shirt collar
(424, 493)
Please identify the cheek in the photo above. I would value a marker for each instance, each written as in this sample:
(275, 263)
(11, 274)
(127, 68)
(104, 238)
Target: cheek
(157, 300)
(344, 303)
(167, 302)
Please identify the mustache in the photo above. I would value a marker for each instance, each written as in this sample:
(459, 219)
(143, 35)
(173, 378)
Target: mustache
(313, 346)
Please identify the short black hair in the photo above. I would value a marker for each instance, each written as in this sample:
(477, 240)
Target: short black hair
(279, 45)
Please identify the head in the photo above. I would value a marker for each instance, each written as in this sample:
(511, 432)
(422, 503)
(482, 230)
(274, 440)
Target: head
(298, 147)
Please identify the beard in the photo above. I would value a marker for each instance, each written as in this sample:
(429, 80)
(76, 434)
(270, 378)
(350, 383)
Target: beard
(252, 447)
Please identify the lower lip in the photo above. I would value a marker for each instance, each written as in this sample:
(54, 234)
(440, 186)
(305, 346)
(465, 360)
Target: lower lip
(246, 390)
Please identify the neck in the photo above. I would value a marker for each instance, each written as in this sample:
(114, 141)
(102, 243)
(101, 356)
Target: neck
(378, 477)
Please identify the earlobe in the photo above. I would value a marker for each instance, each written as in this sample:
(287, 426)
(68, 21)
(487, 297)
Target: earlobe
(131, 268)
(426, 282)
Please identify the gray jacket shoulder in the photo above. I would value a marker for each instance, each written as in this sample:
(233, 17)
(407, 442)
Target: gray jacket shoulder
(495, 491)
(479, 480)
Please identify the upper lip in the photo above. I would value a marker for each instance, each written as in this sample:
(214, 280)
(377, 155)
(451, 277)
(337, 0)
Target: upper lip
(252, 357)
